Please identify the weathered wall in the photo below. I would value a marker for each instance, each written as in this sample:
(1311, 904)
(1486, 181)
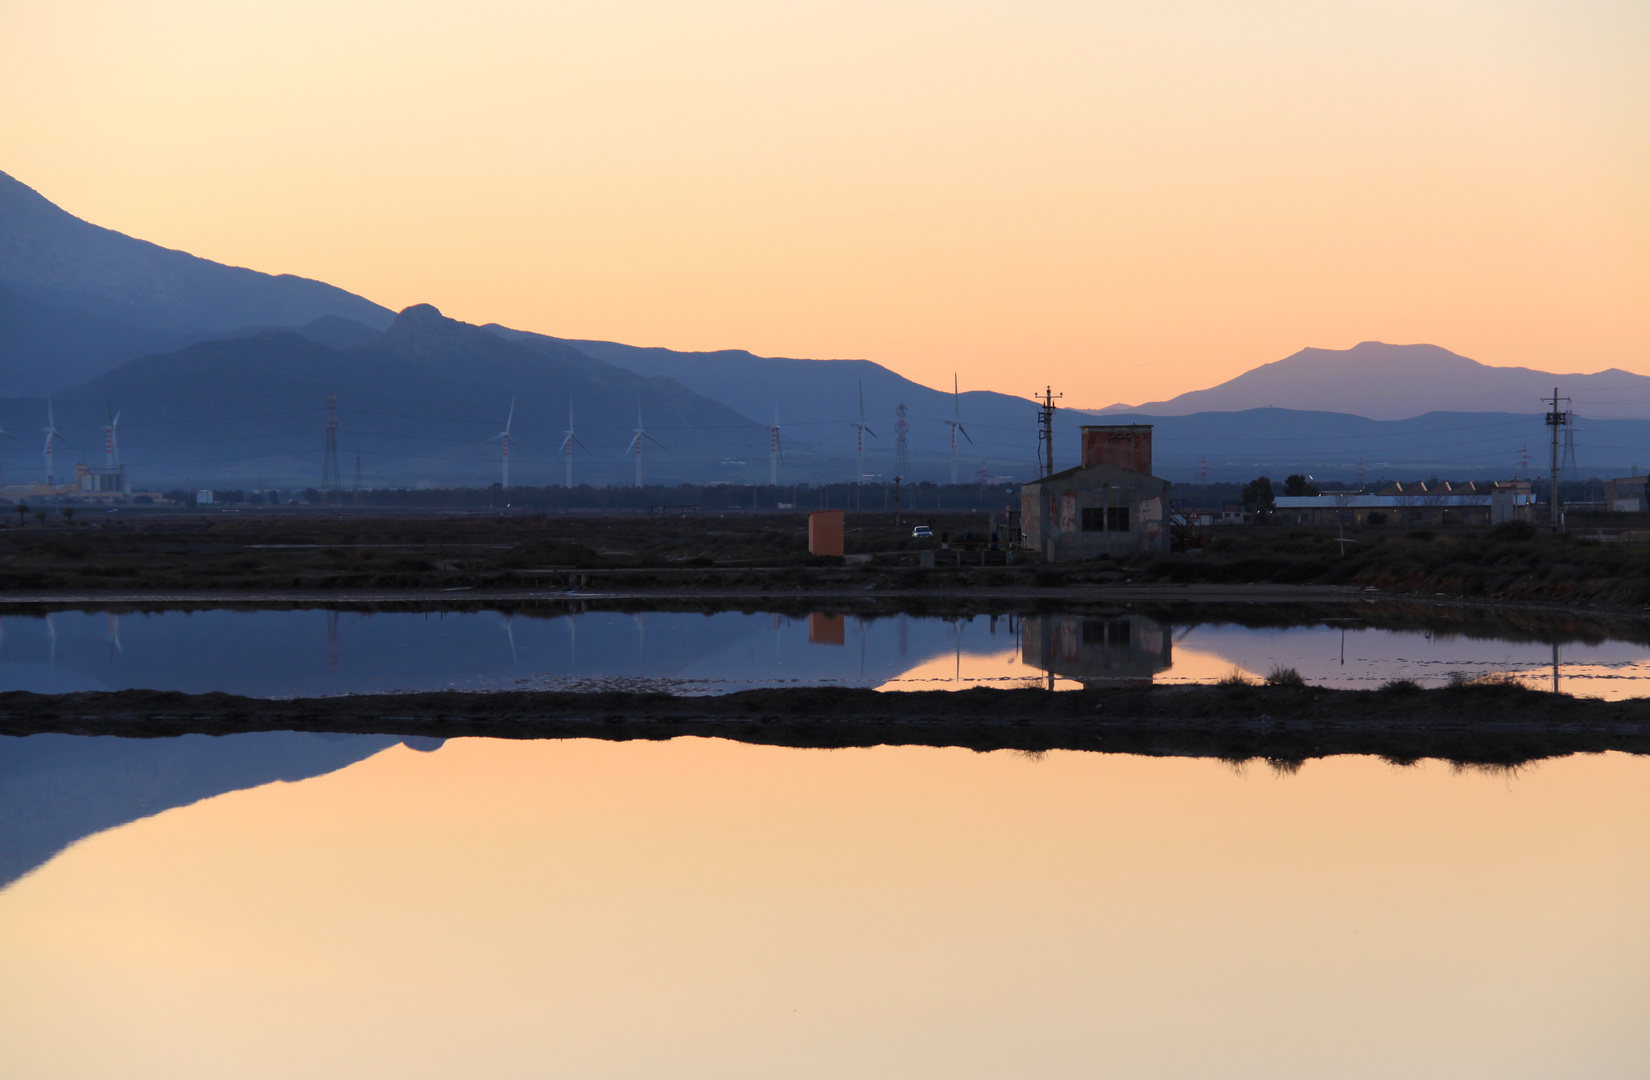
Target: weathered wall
(1128, 446)
(1055, 524)
(825, 532)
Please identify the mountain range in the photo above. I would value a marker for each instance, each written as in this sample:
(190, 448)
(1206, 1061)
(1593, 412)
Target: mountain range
(1397, 382)
(220, 375)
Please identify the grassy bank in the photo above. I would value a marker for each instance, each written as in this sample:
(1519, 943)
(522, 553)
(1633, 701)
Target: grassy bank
(1514, 562)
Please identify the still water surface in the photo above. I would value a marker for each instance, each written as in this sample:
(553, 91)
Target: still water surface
(275, 653)
(701, 908)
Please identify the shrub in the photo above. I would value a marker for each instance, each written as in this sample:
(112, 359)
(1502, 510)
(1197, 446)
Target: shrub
(1284, 676)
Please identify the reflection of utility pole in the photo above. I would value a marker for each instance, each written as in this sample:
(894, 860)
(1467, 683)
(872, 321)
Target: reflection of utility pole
(1555, 667)
(1045, 433)
(1556, 419)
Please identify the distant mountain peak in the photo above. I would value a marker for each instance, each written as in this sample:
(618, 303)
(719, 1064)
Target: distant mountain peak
(1383, 381)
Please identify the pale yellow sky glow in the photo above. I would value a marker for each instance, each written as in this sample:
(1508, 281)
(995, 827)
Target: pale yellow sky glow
(1128, 200)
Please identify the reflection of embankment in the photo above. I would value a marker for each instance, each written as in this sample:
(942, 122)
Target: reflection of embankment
(1497, 722)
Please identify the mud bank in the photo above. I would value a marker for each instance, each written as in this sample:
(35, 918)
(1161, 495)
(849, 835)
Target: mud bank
(1494, 724)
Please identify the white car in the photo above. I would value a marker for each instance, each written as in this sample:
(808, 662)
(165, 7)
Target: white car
(922, 532)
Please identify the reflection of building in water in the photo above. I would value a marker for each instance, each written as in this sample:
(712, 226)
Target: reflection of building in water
(827, 629)
(1092, 648)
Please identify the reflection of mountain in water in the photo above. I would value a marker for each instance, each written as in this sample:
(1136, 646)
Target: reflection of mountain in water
(1097, 649)
(57, 789)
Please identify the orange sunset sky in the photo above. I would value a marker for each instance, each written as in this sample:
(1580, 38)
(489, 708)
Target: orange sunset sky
(1128, 200)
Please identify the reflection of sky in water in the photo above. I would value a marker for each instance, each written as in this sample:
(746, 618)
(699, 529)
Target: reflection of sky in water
(286, 653)
(704, 910)
(280, 653)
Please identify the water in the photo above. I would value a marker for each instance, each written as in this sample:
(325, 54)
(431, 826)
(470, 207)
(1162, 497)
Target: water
(277, 653)
(700, 908)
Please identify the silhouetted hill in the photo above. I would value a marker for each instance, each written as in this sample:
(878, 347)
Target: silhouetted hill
(45, 348)
(1276, 442)
(818, 400)
(1392, 382)
(417, 402)
(51, 255)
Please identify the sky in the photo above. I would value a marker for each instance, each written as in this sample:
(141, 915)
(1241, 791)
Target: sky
(1124, 200)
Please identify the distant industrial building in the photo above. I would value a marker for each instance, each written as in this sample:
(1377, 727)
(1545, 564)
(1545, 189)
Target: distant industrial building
(1627, 494)
(1413, 504)
(1111, 504)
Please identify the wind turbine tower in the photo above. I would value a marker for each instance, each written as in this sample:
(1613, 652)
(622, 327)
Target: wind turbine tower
(111, 444)
(956, 425)
(902, 443)
(568, 441)
(636, 443)
(774, 453)
(9, 435)
(503, 438)
(52, 435)
(860, 431)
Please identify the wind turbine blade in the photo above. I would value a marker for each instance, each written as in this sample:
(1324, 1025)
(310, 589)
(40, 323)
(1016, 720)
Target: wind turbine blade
(116, 421)
(652, 440)
(871, 433)
(964, 431)
(580, 445)
(510, 419)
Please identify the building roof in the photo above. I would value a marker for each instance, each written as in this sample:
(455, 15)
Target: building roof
(1066, 474)
(1354, 502)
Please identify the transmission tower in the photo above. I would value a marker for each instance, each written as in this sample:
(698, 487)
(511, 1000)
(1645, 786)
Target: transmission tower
(330, 479)
(902, 443)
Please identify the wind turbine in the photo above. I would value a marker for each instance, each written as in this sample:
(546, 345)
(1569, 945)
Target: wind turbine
(51, 434)
(570, 440)
(956, 425)
(860, 428)
(636, 443)
(504, 440)
(775, 455)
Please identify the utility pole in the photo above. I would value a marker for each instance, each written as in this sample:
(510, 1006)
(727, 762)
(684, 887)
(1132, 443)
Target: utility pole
(1045, 432)
(1556, 419)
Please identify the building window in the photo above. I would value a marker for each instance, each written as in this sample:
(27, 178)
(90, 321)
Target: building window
(1117, 519)
(1094, 519)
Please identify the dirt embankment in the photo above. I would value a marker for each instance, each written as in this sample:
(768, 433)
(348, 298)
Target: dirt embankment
(1501, 724)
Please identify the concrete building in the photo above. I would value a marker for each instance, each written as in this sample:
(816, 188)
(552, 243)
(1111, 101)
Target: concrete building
(1400, 505)
(1111, 504)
